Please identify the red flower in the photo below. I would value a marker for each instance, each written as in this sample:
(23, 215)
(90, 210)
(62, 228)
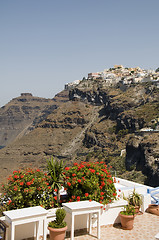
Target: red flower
(102, 193)
(119, 190)
(114, 194)
(97, 173)
(101, 197)
(73, 197)
(86, 194)
(15, 188)
(82, 166)
(49, 187)
(67, 168)
(21, 183)
(55, 190)
(28, 183)
(16, 176)
(78, 198)
(102, 184)
(15, 172)
(22, 176)
(100, 187)
(74, 174)
(69, 184)
(79, 180)
(9, 201)
(75, 164)
(90, 200)
(38, 170)
(55, 197)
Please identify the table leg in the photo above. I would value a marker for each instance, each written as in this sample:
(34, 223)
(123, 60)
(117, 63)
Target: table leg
(72, 226)
(98, 224)
(44, 229)
(37, 230)
(12, 231)
(90, 223)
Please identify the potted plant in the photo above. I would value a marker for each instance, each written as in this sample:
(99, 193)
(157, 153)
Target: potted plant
(135, 199)
(58, 227)
(55, 170)
(127, 217)
(153, 208)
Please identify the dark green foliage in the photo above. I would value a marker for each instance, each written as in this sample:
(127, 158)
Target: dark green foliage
(135, 199)
(55, 171)
(59, 221)
(128, 210)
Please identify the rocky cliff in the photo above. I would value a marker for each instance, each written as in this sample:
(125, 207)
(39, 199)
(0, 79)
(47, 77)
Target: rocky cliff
(22, 114)
(96, 123)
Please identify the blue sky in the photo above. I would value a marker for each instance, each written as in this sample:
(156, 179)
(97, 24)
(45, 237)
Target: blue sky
(45, 44)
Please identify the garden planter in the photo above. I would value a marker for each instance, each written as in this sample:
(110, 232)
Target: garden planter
(57, 233)
(154, 209)
(127, 221)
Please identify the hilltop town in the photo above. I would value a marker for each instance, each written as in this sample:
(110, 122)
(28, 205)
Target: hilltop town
(118, 74)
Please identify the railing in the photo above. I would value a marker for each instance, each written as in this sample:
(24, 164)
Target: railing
(153, 192)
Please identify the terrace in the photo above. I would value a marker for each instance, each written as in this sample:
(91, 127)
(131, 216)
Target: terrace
(146, 225)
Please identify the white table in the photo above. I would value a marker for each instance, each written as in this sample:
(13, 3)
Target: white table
(83, 207)
(27, 215)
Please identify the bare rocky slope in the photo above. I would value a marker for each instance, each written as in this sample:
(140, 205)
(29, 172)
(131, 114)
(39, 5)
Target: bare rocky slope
(97, 123)
(22, 114)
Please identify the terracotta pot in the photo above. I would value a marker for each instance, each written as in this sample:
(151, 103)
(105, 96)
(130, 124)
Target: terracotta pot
(57, 233)
(153, 208)
(127, 221)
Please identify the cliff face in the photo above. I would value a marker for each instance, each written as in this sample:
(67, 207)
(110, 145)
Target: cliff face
(143, 155)
(95, 124)
(22, 114)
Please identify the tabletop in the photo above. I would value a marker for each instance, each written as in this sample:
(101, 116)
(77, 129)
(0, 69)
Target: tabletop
(82, 205)
(25, 212)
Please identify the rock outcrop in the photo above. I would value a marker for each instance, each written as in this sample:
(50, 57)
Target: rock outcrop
(22, 114)
(142, 154)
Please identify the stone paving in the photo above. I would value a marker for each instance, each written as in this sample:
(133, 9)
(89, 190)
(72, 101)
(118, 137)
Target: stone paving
(146, 226)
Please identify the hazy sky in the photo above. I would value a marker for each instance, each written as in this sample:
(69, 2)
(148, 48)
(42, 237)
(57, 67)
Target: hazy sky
(47, 43)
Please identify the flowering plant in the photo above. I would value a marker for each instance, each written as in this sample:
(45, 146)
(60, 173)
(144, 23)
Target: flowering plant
(27, 188)
(90, 181)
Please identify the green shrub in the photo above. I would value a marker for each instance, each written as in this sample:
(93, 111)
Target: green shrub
(128, 210)
(59, 221)
(27, 188)
(90, 181)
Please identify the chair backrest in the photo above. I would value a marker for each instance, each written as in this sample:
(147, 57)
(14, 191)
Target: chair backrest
(3, 227)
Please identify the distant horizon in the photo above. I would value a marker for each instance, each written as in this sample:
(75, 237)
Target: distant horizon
(45, 45)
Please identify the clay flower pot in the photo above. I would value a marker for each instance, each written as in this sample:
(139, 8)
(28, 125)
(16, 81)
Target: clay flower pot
(57, 233)
(153, 208)
(127, 221)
